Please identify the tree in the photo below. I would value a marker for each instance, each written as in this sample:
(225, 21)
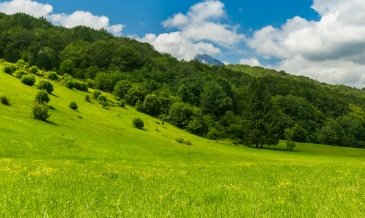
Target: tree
(121, 88)
(214, 100)
(260, 116)
(152, 105)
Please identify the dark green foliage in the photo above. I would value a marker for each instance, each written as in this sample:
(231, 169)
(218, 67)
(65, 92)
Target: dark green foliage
(87, 98)
(135, 94)
(121, 89)
(40, 111)
(73, 105)
(214, 100)
(4, 100)
(290, 141)
(52, 76)
(81, 86)
(42, 97)
(122, 103)
(103, 101)
(138, 123)
(45, 85)
(9, 69)
(151, 105)
(96, 94)
(20, 73)
(260, 116)
(28, 80)
(33, 70)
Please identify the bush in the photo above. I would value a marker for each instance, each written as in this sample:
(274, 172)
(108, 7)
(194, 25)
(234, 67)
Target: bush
(103, 101)
(28, 80)
(22, 64)
(183, 141)
(4, 100)
(87, 98)
(40, 111)
(151, 105)
(138, 123)
(81, 86)
(33, 70)
(73, 106)
(96, 94)
(121, 88)
(45, 85)
(52, 76)
(290, 145)
(70, 83)
(42, 97)
(20, 73)
(9, 69)
(122, 103)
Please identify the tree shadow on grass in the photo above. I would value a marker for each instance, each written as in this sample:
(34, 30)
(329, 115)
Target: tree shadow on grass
(51, 123)
(272, 148)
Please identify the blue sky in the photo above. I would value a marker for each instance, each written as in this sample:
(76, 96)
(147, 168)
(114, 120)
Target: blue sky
(145, 16)
(322, 39)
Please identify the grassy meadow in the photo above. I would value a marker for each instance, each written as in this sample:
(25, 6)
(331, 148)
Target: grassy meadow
(94, 163)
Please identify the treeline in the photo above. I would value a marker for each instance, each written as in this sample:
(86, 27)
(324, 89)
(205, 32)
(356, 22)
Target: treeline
(213, 102)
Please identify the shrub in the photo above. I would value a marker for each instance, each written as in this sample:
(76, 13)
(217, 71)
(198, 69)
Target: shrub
(290, 145)
(40, 111)
(20, 73)
(45, 85)
(33, 70)
(96, 94)
(80, 86)
(121, 88)
(138, 123)
(103, 101)
(70, 83)
(52, 76)
(28, 80)
(42, 97)
(4, 100)
(21, 63)
(9, 69)
(122, 103)
(151, 105)
(73, 106)
(183, 141)
(87, 98)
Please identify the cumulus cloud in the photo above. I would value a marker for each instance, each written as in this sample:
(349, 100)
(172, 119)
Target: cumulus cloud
(77, 18)
(198, 31)
(331, 49)
(250, 61)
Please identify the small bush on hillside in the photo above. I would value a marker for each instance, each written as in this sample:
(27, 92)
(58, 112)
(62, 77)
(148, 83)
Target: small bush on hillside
(40, 111)
(87, 98)
(28, 80)
(52, 76)
(45, 85)
(81, 86)
(138, 123)
(22, 64)
(19, 73)
(70, 83)
(289, 135)
(122, 103)
(290, 145)
(103, 101)
(9, 69)
(96, 94)
(183, 141)
(42, 97)
(4, 100)
(73, 106)
(33, 70)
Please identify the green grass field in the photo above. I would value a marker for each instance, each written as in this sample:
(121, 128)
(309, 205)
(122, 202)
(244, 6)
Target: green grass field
(94, 163)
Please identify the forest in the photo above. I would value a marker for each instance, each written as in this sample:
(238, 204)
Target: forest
(250, 105)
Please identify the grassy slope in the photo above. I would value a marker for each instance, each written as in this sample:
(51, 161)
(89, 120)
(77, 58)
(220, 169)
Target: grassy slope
(101, 166)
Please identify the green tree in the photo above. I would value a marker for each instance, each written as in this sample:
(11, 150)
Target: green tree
(260, 116)
(214, 100)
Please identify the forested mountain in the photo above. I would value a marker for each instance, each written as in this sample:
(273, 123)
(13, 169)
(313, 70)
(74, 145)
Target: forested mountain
(210, 101)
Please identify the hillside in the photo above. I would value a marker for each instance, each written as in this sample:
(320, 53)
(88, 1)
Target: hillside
(94, 163)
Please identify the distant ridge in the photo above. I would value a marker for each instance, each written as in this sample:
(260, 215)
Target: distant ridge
(207, 59)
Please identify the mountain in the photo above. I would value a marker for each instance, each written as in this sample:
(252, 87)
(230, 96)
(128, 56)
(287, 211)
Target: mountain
(207, 59)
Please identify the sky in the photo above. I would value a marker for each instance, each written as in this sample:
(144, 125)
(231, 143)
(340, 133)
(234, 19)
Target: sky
(321, 39)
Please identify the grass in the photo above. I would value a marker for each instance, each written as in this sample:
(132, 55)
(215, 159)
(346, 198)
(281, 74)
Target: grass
(93, 163)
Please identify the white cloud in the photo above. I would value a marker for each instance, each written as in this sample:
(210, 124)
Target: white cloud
(196, 32)
(26, 6)
(331, 49)
(74, 19)
(250, 61)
